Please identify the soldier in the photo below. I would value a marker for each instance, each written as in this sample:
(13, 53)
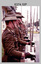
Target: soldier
(21, 25)
(19, 16)
(21, 29)
(11, 52)
(18, 33)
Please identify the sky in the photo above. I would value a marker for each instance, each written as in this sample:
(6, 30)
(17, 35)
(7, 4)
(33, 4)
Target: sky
(24, 9)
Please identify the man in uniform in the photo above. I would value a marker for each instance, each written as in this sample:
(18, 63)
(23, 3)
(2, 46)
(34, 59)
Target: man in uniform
(9, 40)
(11, 52)
(18, 34)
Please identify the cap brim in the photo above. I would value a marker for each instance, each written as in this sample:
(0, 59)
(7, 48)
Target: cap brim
(9, 18)
(19, 16)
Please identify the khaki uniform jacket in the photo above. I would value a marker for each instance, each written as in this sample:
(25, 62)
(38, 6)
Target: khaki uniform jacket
(11, 51)
(22, 47)
(22, 44)
(19, 35)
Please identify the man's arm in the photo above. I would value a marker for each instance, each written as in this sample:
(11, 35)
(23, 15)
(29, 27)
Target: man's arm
(22, 41)
(10, 47)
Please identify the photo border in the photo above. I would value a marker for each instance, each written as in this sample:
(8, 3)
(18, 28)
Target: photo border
(11, 3)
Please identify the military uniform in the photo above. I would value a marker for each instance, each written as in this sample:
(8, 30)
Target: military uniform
(22, 47)
(20, 38)
(19, 35)
(11, 51)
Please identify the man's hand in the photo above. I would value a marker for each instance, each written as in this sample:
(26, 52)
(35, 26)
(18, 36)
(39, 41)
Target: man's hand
(28, 43)
(28, 55)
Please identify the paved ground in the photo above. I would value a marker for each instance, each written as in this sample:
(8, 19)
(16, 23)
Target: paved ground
(37, 42)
